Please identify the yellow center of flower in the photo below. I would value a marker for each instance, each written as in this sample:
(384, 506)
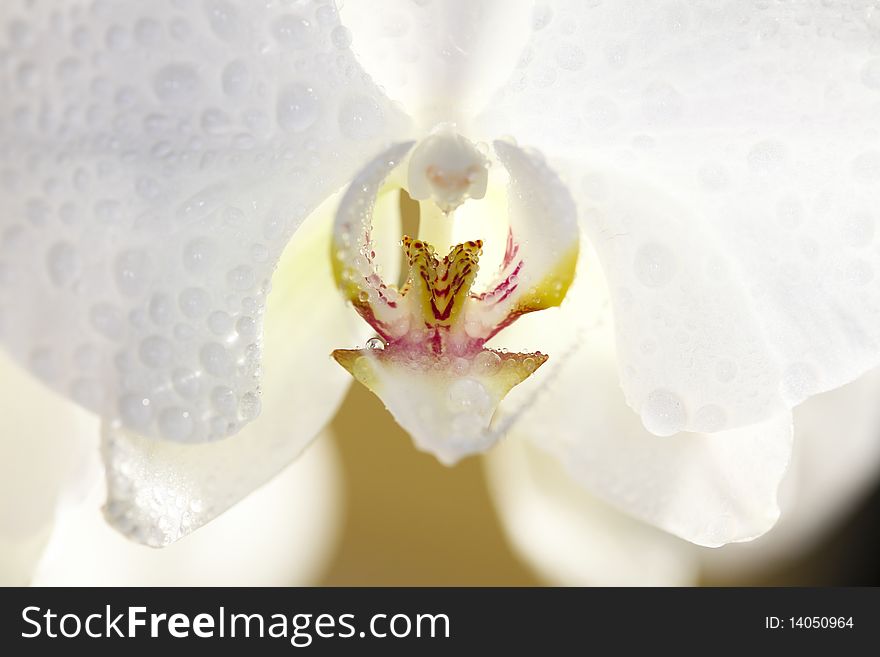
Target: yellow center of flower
(434, 298)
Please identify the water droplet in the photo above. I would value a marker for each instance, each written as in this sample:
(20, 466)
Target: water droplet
(362, 369)
(132, 272)
(866, 167)
(194, 302)
(292, 31)
(240, 278)
(116, 38)
(767, 156)
(570, 57)
(236, 78)
(713, 176)
(216, 122)
(542, 14)
(858, 229)
(662, 103)
(155, 351)
(200, 204)
(655, 265)
(147, 31)
(223, 19)
(246, 327)
(468, 396)
(663, 413)
(63, 264)
(375, 343)
(215, 360)
(198, 255)
(298, 107)
(341, 37)
(175, 82)
(486, 362)
(859, 272)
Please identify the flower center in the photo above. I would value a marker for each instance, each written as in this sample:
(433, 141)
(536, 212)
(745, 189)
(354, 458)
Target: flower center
(430, 363)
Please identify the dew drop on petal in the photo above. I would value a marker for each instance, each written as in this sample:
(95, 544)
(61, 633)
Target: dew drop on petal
(663, 413)
(297, 108)
(236, 78)
(655, 265)
(175, 82)
(486, 362)
(375, 343)
(63, 264)
(467, 396)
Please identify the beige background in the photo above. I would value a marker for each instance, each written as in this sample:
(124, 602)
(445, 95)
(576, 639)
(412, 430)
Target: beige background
(411, 520)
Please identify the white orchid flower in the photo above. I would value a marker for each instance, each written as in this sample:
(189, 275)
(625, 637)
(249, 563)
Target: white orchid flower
(710, 171)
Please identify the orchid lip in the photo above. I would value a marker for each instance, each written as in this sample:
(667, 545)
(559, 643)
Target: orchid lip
(430, 363)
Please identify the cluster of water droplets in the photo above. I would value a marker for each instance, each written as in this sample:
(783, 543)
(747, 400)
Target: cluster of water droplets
(187, 141)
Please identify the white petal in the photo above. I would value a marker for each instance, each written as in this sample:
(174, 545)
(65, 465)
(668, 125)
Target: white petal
(159, 491)
(442, 60)
(45, 444)
(281, 535)
(729, 184)
(709, 488)
(542, 242)
(835, 463)
(569, 536)
(155, 161)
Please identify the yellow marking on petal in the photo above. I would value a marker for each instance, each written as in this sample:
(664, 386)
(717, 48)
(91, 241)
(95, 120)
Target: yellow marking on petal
(553, 287)
(349, 280)
(498, 371)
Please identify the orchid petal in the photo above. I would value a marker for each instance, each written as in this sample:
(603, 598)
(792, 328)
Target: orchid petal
(281, 535)
(835, 463)
(160, 491)
(156, 160)
(709, 488)
(46, 441)
(571, 537)
(583, 541)
(728, 180)
(441, 60)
